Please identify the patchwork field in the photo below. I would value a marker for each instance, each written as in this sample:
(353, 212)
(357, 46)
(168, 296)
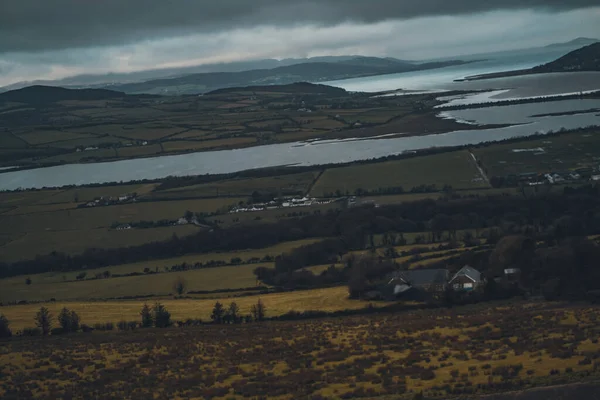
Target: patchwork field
(213, 121)
(443, 353)
(64, 286)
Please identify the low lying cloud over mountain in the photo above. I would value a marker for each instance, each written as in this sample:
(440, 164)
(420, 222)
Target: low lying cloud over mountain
(57, 38)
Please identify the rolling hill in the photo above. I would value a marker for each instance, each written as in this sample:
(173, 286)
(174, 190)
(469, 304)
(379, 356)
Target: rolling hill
(586, 58)
(50, 94)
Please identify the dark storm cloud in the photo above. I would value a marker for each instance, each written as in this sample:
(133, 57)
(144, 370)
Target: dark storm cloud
(34, 25)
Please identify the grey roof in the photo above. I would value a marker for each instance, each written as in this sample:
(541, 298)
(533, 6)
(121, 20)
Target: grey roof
(417, 277)
(469, 272)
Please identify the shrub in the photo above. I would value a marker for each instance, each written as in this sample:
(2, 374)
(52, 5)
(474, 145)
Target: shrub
(68, 320)
(32, 332)
(4, 327)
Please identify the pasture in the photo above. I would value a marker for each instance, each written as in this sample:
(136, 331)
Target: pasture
(104, 216)
(293, 183)
(456, 169)
(25, 246)
(556, 153)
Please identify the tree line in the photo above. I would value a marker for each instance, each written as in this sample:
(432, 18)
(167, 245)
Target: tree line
(156, 316)
(538, 215)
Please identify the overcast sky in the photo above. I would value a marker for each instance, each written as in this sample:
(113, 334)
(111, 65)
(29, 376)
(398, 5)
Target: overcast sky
(50, 39)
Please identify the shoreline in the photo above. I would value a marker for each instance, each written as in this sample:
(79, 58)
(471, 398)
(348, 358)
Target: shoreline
(294, 168)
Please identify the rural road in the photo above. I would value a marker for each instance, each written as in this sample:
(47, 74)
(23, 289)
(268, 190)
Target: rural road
(481, 171)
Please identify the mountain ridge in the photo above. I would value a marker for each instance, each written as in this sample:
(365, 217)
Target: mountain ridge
(586, 58)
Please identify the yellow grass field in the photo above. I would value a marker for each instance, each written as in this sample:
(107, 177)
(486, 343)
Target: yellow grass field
(330, 299)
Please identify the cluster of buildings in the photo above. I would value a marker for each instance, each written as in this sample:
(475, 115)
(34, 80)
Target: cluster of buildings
(108, 201)
(534, 178)
(286, 203)
(420, 284)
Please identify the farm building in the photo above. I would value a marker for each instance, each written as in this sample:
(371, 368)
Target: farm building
(467, 279)
(428, 280)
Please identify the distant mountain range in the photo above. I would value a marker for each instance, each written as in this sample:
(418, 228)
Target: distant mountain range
(39, 95)
(203, 78)
(584, 59)
(579, 42)
(82, 81)
(312, 71)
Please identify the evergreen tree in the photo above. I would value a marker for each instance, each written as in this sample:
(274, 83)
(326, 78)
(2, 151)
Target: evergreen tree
(147, 317)
(258, 311)
(75, 321)
(5, 331)
(43, 320)
(234, 312)
(64, 320)
(162, 317)
(217, 313)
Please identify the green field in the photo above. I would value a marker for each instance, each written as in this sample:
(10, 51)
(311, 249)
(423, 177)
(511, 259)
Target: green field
(242, 187)
(39, 137)
(104, 216)
(85, 194)
(25, 246)
(456, 169)
(550, 154)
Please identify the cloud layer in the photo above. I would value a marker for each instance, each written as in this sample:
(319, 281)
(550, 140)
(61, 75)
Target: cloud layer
(34, 25)
(53, 39)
